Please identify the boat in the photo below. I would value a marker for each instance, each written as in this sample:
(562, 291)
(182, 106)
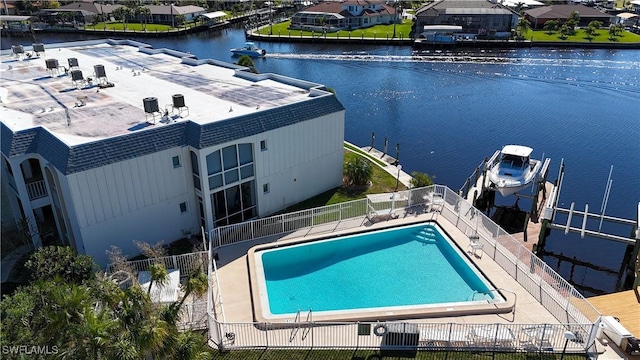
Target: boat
(512, 169)
(249, 49)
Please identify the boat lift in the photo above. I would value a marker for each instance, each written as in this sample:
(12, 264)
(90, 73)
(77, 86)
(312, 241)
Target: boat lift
(632, 255)
(551, 209)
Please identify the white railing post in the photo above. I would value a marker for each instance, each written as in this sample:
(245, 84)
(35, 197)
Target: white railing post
(175, 263)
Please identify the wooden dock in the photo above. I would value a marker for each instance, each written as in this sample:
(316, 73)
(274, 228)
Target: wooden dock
(624, 305)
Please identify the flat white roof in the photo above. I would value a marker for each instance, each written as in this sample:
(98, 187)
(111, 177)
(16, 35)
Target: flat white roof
(517, 150)
(213, 91)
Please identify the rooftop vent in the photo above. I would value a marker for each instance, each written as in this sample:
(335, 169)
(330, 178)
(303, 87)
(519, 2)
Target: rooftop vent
(38, 48)
(73, 62)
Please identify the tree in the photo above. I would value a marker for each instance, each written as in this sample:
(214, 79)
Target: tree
(595, 24)
(95, 319)
(420, 179)
(590, 31)
(550, 26)
(575, 16)
(246, 61)
(523, 26)
(358, 172)
(51, 262)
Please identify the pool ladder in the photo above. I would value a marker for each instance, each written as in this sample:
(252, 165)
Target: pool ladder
(306, 330)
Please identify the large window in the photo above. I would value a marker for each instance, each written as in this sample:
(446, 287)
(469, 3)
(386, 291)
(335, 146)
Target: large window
(230, 172)
(196, 170)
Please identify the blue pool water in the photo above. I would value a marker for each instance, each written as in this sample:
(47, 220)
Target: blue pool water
(413, 265)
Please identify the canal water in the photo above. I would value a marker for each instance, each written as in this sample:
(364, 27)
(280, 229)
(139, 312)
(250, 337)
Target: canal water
(448, 109)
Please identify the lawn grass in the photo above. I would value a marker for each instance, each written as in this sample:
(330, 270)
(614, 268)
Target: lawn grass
(402, 30)
(377, 31)
(300, 354)
(602, 36)
(138, 27)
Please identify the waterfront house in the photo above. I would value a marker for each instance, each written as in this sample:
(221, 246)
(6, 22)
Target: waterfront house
(538, 16)
(476, 17)
(168, 14)
(344, 15)
(109, 141)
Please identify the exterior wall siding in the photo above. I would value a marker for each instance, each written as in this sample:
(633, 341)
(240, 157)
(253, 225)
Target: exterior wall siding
(136, 199)
(302, 160)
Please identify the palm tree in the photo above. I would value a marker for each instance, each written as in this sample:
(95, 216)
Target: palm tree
(191, 346)
(550, 26)
(358, 172)
(523, 26)
(159, 275)
(197, 283)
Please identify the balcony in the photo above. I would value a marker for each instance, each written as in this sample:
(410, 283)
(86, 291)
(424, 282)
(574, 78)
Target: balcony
(36, 189)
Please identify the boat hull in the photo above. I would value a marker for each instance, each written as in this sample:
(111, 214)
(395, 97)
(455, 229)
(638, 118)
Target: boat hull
(248, 53)
(508, 185)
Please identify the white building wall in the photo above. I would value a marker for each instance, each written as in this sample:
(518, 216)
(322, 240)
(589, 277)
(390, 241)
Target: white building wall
(301, 161)
(136, 199)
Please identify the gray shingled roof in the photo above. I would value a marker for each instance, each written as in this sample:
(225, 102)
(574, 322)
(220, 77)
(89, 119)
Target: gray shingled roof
(87, 156)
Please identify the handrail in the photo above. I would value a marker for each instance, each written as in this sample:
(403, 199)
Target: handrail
(515, 301)
(306, 331)
(295, 329)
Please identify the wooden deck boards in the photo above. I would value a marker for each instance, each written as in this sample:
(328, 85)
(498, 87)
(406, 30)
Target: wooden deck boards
(624, 305)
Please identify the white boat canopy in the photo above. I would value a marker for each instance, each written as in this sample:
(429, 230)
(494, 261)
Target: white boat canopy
(442, 28)
(517, 150)
(215, 15)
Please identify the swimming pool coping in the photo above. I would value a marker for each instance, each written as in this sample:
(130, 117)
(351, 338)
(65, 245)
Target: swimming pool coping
(258, 294)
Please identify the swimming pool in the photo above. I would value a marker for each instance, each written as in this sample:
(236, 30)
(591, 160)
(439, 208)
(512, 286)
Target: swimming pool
(391, 273)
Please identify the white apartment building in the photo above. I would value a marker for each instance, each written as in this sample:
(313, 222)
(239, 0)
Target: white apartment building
(106, 142)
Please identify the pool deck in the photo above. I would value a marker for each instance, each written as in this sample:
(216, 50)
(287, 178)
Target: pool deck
(234, 276)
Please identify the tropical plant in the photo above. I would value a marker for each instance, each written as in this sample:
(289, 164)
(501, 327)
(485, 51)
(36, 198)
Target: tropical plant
(51, 262)
(96, 319)
(522, 26)
(590, 32)
(550, 26)
(575, 16)
(357, 172)
(420, 179)
(246, 61)
(595, 24)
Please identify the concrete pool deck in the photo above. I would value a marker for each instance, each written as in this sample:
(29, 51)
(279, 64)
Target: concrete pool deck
(234, 275)
(237, 327)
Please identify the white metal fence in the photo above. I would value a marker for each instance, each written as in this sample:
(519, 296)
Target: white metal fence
(405, 336)
(566, 304)
(186, 263)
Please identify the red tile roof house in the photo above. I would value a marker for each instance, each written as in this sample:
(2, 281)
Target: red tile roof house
(538, 16)
(345, 15)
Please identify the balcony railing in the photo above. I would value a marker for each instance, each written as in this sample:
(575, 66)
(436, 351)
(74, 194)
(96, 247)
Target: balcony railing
(36, 189)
